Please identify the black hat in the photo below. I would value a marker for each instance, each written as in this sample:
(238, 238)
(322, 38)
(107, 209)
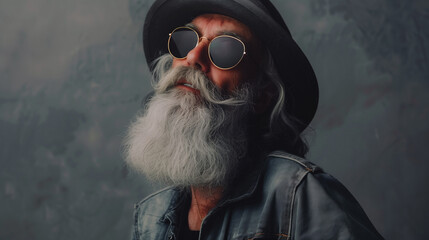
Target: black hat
(302, 93)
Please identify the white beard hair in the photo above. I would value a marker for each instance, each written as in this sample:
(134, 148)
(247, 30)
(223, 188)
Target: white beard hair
(184, 139)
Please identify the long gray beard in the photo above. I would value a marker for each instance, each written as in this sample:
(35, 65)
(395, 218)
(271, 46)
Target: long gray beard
(186, 139)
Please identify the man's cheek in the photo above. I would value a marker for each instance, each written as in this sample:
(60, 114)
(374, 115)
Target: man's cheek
(177, 62)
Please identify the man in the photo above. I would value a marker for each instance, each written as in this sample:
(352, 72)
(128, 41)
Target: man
(233, 92)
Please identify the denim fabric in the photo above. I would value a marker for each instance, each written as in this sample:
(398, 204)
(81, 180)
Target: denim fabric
(287, 198)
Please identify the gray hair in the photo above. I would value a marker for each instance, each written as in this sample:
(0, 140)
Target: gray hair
(278, 129)
(282, 132)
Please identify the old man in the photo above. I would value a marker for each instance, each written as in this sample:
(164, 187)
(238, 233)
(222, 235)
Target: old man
(232, 94)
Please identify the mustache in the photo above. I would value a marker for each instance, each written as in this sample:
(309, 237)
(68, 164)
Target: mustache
(198, 80)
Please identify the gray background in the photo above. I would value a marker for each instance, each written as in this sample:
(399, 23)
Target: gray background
(72, 75)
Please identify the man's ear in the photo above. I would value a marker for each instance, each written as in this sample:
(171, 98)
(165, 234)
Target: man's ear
(264, 98)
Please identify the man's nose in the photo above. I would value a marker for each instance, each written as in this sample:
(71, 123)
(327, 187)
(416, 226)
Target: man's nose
(198, 57)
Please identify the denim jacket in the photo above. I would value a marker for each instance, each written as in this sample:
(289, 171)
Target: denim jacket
(287, 198)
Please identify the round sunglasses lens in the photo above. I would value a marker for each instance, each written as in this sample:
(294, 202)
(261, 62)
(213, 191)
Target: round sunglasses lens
(226, 52)
(182, 41)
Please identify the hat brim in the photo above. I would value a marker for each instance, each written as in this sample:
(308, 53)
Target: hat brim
(302, 93)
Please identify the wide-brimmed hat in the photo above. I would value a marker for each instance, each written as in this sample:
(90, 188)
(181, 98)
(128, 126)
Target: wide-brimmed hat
(302, 93)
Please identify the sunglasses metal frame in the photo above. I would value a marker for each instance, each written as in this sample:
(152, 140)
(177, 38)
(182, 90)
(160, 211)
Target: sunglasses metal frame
(208, 49)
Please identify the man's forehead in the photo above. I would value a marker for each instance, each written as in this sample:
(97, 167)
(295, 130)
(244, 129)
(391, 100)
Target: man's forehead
(215, 24)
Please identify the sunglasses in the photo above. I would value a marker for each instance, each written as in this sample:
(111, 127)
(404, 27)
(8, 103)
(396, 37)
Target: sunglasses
(225, 52)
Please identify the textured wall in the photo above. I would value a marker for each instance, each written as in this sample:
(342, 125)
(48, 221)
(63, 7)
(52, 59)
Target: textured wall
(72, 75)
